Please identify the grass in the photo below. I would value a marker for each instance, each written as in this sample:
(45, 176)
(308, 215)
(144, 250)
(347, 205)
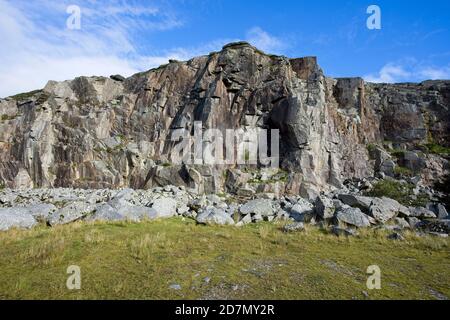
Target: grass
(402, 171)
(26, 95)
(437, 149)
(141, 261)
(396, 190)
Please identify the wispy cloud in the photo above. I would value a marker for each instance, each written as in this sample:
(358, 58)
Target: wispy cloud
(408, 70)
(265, 41)
(37, 46)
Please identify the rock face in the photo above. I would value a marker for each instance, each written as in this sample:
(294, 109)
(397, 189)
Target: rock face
(113, 132)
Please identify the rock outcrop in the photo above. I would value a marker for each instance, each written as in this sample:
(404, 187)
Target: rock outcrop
(115, 133)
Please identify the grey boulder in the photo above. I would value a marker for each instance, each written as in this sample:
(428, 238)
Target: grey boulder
(353, 216)
(72, 212)
(16, 218)
(384, 209)
(165, 207)
(262, 207)
(214, 216)
(324, 207)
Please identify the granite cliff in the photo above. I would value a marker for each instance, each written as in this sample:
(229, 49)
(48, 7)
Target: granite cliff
(96, 132)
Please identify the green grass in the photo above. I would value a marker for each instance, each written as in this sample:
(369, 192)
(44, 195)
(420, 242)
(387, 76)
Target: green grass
(26, 95)
(402, 171)
(141, 261)
(437, 149)
(396, 190)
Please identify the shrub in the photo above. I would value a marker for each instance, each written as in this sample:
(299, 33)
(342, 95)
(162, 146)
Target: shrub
(398, 191)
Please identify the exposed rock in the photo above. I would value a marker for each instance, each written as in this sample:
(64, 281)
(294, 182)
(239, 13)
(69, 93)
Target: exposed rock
(421, 213)
(262, 207)
(302, 211)
(72, 212)
(396, 236)
(338, 231)
(352, 216)
(360, 202)
(439, 210)
(97, 132)
(214, 216)
(165, 207)
(105, 212)
(294, 227)
(16, 218)
(324, 207)
(385, 209)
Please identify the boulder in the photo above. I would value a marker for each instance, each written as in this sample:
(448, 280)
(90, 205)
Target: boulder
(214, 216)
(165, 207)
(352, 216)
(384, 209)
(439, 210)
(16, 218)
(42, 211)
(324, 207)
(72, 212)
(105, 212)
(360, 202)
(421, 213)
(338, 231)
(302, 211)
(261, 207)
(294, 227)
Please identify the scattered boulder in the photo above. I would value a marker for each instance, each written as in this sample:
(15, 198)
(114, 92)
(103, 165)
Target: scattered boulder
(105, 212)
(421, 213)
(261, 207)
(352, 216)
(338, 231)
(396, 236)
(360, 202)
(72, 212)
(294, 227)
(214, 216)
(302, 211)
(384, 209)
(16, 218)
(165, 207)
(324, 207)
(439, 210)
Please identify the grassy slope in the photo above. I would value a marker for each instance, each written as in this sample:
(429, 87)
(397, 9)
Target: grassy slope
(141, 261)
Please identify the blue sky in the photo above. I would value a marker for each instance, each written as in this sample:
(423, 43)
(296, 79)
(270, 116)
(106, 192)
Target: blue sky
(130, 36)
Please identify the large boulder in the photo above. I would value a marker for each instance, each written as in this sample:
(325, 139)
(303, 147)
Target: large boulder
(360, 202)
(302, 211)
(165, 207)
(352, 216)
(105, 212)
(421, 213)
(324, 207)
(16, 218)
(384, 209)
(214, 216)
(262, 207)
(72, 212)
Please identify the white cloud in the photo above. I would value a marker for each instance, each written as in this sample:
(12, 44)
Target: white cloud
(264, 41)
(408, 70)
(37, 46)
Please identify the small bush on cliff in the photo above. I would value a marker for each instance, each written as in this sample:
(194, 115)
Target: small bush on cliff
(396, 190)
